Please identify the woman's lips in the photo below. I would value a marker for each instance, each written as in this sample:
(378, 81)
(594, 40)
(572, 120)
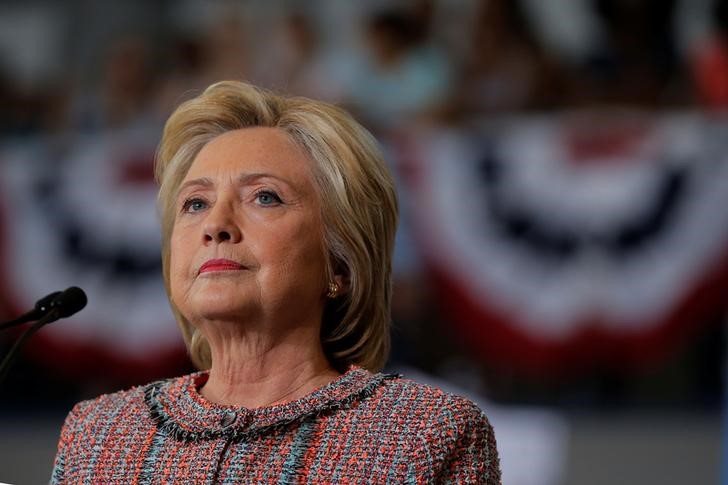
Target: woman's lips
(220, 265)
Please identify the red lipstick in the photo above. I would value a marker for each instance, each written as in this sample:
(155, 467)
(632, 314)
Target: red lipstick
(220, 265)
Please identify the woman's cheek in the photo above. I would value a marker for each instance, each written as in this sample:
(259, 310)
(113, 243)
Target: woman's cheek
(179, 269)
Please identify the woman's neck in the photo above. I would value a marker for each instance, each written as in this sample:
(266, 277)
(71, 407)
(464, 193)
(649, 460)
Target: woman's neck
(258, 370)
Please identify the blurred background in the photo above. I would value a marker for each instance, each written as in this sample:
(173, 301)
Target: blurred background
(563, 173)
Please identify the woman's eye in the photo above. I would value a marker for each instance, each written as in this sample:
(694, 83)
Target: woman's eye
(266, 197)
(194, 205)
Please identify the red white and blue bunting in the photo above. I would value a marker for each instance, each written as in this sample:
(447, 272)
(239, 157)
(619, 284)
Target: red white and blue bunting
(555, 242)
(86, 216)
(559, 242)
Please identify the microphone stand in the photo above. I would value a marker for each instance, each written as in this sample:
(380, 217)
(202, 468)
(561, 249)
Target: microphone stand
(10, 357)
(13, 323)
(41, 309)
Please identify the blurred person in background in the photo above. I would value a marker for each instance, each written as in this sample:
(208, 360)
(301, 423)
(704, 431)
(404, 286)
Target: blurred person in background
(124, 91)
(278, 222)
(708, 61)
(296, 63)
(605, 52)
(225, 48)
(402, 77)
(505, 70)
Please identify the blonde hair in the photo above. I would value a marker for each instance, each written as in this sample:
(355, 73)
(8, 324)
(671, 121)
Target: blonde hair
(358, 207)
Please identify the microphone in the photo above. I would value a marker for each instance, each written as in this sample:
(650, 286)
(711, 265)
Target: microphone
(60, 304)
(42, 307)
(71, 300)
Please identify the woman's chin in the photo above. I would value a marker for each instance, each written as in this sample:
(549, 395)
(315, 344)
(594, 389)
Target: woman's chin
(221, 312)
(220, 302)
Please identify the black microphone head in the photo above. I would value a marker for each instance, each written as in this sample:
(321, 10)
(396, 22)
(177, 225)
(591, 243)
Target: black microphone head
(44, 304)
(70, 301)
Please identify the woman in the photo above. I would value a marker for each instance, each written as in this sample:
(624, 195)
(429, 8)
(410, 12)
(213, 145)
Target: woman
(278, 221)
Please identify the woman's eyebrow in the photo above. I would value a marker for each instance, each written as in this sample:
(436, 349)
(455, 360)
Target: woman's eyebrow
(242, 179)
(247, 178)
(200, 182)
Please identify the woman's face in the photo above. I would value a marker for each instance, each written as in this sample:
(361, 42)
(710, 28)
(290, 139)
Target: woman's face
(247, 237)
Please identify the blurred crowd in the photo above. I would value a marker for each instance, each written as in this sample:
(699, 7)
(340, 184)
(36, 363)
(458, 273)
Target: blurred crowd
(89, 66)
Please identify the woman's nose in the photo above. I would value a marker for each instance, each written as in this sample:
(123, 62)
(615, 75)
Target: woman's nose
(221, 226)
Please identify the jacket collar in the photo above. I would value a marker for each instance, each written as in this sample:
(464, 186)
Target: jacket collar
(180, 411)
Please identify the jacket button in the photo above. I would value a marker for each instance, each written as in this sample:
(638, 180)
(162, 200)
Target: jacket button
(227, 419)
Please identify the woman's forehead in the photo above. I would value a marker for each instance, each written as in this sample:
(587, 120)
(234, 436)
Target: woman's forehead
(259, 150)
